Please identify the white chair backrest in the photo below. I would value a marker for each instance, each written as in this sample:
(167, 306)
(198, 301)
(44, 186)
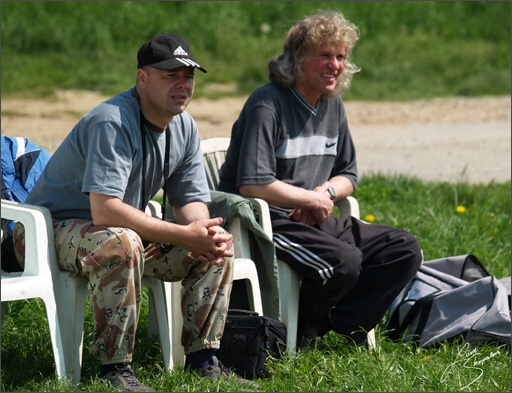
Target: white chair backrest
(214, 154)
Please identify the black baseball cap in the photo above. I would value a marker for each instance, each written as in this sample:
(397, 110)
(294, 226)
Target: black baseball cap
(166, 52)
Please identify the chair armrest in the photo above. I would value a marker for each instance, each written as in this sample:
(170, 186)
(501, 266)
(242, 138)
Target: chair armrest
(37, 222)
(348, 207)
(261, 207)
(154, 209)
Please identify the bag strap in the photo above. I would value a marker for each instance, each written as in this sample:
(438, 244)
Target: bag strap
(422, 307)
(166, 167)
(241, 312)
(144, 163)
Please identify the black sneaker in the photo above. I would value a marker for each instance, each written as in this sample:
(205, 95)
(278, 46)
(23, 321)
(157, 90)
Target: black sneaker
(218, 370)
(307, 344)
(124, 377)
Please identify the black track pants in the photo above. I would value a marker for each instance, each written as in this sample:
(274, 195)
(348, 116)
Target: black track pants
(351, 271)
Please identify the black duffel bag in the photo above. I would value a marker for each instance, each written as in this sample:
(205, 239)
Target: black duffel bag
(248, 341)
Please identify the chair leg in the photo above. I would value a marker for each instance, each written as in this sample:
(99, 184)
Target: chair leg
(71, 306)
(245, 269)
(176, 322)
(158, 317)
(289, 281)
(370, 340)
(59, 352)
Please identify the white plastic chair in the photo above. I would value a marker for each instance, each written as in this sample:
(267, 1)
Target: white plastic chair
(214, 154)
(38, 278)
(243, 269)
(65, 296)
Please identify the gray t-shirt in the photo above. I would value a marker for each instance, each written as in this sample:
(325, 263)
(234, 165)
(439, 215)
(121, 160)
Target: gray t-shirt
(103, 154)
(279, 136)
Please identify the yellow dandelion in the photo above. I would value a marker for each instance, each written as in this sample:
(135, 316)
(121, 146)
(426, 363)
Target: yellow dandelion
(460, 209)
(369, 218)
(491, 214)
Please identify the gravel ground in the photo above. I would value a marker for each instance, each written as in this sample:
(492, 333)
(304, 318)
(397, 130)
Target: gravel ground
(455, 139)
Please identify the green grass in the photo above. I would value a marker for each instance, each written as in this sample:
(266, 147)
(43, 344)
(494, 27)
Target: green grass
(427, 209)
(407, 50)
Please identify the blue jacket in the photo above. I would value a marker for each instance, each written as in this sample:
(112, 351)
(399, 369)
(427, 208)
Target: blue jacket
(22, 163)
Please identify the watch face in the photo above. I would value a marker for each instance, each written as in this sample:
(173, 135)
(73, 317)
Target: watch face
(332, 191)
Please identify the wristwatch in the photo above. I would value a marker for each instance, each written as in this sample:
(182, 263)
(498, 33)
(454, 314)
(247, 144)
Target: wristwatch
(331, 190)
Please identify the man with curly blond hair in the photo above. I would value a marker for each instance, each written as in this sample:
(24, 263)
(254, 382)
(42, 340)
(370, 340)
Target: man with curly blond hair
(291, 146)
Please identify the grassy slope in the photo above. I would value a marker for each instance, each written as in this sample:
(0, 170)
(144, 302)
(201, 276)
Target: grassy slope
(407, 49)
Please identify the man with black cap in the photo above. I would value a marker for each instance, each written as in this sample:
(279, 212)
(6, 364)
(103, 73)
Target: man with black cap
(97, 186)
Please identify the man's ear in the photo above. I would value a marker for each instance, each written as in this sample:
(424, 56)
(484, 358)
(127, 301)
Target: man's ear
(141, 76)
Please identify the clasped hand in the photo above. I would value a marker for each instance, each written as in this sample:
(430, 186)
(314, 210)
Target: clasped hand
(317, 215)
(211, 242)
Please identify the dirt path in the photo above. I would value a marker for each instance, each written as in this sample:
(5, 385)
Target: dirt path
(442, 139)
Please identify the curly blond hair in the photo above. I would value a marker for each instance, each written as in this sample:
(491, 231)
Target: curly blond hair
(327, 27)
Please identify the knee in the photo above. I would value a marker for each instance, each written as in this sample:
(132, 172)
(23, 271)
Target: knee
(346, 270)
(413, 246)
(228, 267)
(116, 248)
(410, 250)
(125, 242)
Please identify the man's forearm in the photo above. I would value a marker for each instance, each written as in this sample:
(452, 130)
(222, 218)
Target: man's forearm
(284, 195)
(342, 185)
(191, 212)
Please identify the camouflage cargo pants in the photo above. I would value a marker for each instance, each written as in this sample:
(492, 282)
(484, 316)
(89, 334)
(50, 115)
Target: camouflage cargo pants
(114, 260)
